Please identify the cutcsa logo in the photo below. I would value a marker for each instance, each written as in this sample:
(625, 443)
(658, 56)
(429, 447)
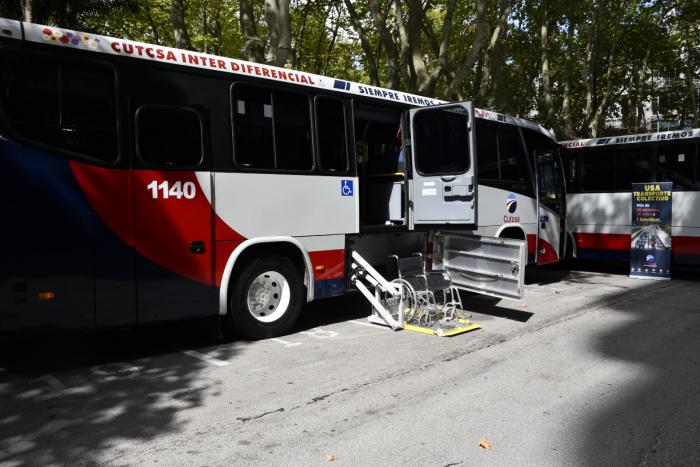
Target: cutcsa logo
(650, 258)
(511, 203)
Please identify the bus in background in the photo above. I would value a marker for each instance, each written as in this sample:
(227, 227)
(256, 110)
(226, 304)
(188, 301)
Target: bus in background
(520, 168)
(599, 174)
(143, 183)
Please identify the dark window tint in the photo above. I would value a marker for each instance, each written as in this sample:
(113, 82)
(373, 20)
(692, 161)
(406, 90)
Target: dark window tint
(511, 156)
(677, 163)
(598, 170)
(441, 141)
(272, 130)
(68, 105)
(570, 170)
(253, 137)
(292, 123)
(632, 165)
(169, 136)
(30, 93)
(487, 152)
(537, 142)
(548, 179)
(330, 127)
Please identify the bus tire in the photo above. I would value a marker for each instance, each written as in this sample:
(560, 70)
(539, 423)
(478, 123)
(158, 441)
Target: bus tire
(266, 299)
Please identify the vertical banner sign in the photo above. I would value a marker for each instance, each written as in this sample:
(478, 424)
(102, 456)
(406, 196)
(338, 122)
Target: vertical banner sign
(650, 253)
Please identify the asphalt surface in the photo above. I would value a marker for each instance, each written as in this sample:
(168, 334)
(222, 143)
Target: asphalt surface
(592, 369)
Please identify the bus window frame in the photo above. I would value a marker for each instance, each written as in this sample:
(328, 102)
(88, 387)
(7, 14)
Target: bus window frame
(137, 138)
(272, 89)
(470, 128)
(696, 172)
(72, 57)
(525, 157)
(346, 127)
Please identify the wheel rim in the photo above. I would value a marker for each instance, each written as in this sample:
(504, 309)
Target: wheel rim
(268, 296)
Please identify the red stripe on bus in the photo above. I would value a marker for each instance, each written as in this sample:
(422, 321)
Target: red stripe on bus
(601, 241)
(159, 227)
(597, 241)
(328, 264)
(685, 245)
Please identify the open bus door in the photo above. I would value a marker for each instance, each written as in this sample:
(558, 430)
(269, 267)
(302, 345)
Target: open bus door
(443, 190)
(551, 207)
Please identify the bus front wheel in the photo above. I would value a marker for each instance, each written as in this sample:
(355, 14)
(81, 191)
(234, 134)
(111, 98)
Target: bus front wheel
(267, 298)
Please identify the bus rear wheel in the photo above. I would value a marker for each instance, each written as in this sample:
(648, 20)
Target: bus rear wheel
(267, 298)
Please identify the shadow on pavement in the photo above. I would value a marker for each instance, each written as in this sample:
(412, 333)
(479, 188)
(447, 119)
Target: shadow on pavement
(654, 418)
(332, 310)
(67, 397)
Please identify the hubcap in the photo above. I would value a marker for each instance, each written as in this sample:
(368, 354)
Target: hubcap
(268, 296)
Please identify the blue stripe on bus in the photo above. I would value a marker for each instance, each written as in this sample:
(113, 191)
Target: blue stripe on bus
(329, 287)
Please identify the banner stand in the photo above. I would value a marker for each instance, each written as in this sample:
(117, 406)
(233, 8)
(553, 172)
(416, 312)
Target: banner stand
(650, 247)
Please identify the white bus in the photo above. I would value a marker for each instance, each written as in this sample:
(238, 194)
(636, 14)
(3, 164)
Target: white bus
(599, 174)
(142, 183)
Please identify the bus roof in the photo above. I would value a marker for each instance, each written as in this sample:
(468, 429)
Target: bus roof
(41, 34)
(631, 139)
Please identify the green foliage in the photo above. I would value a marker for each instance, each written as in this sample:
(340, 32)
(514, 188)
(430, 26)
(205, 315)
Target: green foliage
(608, 60)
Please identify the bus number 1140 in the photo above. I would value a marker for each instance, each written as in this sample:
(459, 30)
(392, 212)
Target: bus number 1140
(176, 190)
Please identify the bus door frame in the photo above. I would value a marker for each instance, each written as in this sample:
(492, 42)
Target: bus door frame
(429, 201)
(553, 156)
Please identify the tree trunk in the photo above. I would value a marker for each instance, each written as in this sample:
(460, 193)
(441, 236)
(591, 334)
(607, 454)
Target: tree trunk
(468, 63)
(28, 11)
(254, 45)
(550, 115)
(177, 15)
(380, 20)
(415, 19)
(364, 43)
(591, 68)
(321, 36)
(568, 100)
(279, 31)
(602, 104)
(505, 7)
(407, 70)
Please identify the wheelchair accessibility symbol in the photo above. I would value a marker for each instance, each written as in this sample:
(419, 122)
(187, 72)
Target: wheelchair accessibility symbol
(346, 187)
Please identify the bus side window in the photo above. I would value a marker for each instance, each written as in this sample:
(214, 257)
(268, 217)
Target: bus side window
(570, 170)
(252, 117)
(291, 118)
(66, 105)
(632, 165)
(330, 131)
(486, 152)
(598, 169)
(272, 129)
(441, 142)
(169, 136)
(514, 167)
(677, 163)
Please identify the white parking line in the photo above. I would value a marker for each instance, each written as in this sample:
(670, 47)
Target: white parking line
(285, 343)
(206, 358)
(368, 324)
(52, 381)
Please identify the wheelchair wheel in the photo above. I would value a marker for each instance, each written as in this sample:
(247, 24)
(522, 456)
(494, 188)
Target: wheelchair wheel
(408, 299)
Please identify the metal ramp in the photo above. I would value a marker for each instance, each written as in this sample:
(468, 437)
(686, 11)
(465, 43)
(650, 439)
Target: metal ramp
(478, 264)
(396, 304)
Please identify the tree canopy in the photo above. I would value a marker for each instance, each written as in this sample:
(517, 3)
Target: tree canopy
(583, 68)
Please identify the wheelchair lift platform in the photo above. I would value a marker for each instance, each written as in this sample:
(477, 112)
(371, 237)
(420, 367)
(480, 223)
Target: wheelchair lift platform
(398, 305)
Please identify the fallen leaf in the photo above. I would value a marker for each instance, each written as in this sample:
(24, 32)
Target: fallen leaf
(524, 305)
(579, 286)
(485, 443)
(330, 457)
(557, 291)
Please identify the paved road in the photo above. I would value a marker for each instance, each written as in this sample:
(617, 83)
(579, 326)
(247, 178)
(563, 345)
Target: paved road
(593, 369)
